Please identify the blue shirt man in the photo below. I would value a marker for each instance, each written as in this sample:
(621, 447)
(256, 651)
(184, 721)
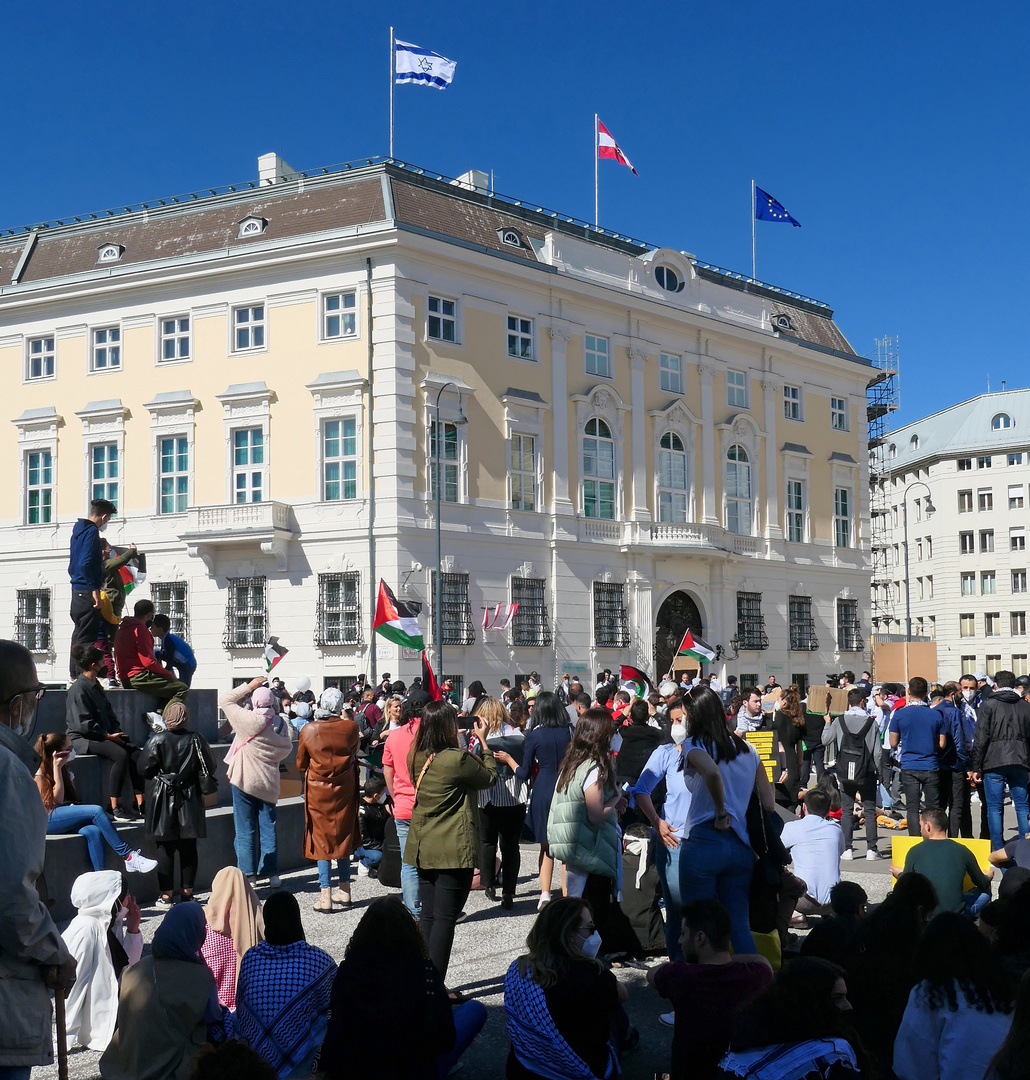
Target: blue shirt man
(921, 733)
(174, 651)
(86, 571)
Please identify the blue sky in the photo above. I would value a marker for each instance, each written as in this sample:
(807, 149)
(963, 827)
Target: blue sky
(895, 132)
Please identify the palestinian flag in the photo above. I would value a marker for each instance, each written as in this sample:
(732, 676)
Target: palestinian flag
(397, 620)
(635, 681)
(697, 647)
(429, 683)
(274, 652)
(133, 573)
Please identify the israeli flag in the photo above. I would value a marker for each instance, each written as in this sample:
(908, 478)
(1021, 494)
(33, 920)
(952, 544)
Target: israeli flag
(416, 65)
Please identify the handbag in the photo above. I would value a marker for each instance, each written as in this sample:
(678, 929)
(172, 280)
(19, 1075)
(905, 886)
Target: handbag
(207, 783)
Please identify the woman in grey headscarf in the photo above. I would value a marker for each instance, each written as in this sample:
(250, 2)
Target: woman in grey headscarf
(327, 755)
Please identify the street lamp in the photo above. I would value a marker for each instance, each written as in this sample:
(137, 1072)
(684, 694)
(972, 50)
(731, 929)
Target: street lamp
(930, 511)
(436, 444)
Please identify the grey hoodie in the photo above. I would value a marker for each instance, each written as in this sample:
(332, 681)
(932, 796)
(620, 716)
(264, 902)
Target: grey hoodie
(853, 720)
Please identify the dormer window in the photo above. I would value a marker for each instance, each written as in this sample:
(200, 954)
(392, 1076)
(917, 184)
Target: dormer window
(1000, 421)
(914, 442)
(668, 279)
(252, 226)
(510, 237)
(109, 253)
(782, 323)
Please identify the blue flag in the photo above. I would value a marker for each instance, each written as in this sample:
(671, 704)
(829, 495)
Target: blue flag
(768, 209)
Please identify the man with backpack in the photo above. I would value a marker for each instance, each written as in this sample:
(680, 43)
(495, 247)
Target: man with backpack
(857, 738)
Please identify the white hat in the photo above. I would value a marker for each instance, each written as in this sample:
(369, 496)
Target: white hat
(979, 674)
(667, 688)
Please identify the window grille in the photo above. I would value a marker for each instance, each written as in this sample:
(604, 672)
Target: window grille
(611, 625)
(802, 625)
(751, 634)
(455, 611)
(33, 627)
(170, 598)
(531, 626)
(849, 632)
(339, 612)
(246, 616)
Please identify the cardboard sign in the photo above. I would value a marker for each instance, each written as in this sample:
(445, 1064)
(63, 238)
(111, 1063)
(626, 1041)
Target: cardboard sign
(765, 743)
(770, 700)
(826, 700)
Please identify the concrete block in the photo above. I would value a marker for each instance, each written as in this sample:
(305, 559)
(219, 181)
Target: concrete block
(129, 707)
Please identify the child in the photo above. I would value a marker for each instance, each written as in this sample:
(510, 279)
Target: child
(373, 812)
(174, 651)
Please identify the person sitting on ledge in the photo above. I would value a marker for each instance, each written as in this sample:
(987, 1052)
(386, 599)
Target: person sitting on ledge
(134, 658)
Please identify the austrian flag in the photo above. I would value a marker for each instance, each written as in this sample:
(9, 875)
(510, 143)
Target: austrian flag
(607, 147)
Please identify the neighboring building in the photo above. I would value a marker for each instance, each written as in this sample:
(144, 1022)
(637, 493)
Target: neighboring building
(967, 577)
(631, 441)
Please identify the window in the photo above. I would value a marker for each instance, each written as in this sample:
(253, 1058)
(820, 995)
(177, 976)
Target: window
(988, 585)
(672, 479)
(339, 315)
(842, 517)
(792, 402)
(104, 472)
(839, 413)
(448, 465)
(1016, 459)
(1019, 664)
(965, 543)
(667, 278)
(248, 465)
(993, 663)
(968, 584)
(611, 625)
(913, 443)
(520, 337)
(1001, 420)
(670, 373)
(1015, 496)
(919, 550)
(442, 321)
(986, 540)
(992, 624)
(1017, 623)
(598, 361)
(849, 631)
(795, 511)
(340, 459)
(174, 479)
(455, 611)
(39, 487)
(1019, 581)
(736, 389)
(41, 358)
(33, 628)
(985, 499)
(751, 634)
(170, 598)
(738, 491)
(245, 614)
(929, 547)
(523, 472)
(598, 470)
(967, 625)
(249, 328)
(968, 665)
(531, 626)
(929, 589)
(339, 615)
(965, 464)
(918, 506)
(107, 349)
(983, 462)
(175, 338)
(802, 625)
(1017, 538)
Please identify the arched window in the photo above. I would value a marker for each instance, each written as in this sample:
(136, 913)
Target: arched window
(892, 450)
(738, 490)
(598, 470)
(1001, 420)
(672, 479)
(667, 278)
(914, 442)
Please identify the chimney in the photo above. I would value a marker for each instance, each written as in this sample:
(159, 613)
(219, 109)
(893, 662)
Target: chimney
(1003, 384)
(474, 180)
(273, 170)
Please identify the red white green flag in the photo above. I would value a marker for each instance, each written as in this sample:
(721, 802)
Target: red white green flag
(397, 620)
(696, 646)
(274, 652)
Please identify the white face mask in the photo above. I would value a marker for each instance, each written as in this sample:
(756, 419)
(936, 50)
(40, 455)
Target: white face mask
(679, 734)
(968, 695)
(25, 717)
(591, 946)
(381, 799)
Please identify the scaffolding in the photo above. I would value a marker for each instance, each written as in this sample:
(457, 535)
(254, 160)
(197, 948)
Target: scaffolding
(883, 396)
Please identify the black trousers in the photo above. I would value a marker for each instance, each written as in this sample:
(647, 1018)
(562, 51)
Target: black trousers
(86, 618)
(955, 796)
(503, 825)
(443, 893)
(612, 923)
(812, 758)
(917, 782)
(188, 859)
(866, 793)
(122, 758)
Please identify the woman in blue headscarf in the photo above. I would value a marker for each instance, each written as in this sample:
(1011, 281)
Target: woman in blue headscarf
(168, 1005)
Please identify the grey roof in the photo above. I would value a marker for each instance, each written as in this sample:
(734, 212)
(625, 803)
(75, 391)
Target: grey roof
(334, 378)
(37, 414)
(526, 395)
(239, 389)
(108, 405)
(169, 397)
(795, 448)
(838, 456)
(964, 429)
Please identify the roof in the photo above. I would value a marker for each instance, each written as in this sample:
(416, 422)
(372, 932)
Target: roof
(963, 430)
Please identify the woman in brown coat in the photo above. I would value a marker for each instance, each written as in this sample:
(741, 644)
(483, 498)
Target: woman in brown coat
(327, 754)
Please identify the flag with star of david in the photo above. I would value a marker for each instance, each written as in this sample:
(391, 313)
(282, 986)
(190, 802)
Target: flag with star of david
(414, 64)
(768, 209)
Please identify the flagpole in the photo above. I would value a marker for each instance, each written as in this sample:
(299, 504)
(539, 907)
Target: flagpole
(392, 56)
(595, 172)
(753, 229)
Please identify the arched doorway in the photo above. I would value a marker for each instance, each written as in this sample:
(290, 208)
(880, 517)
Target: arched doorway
(677, 614)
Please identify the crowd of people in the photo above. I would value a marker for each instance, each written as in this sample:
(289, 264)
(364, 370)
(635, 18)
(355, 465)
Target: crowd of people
(771, 965)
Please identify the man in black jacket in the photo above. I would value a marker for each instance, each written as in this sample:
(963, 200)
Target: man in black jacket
(1001, 754)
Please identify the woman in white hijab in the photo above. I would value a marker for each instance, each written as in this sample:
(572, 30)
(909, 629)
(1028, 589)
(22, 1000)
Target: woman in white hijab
(104, 938)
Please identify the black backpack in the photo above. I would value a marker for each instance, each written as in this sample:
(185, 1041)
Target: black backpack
(854, 762)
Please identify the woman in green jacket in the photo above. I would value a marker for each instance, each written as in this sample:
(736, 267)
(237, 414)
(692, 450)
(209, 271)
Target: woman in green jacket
(443, 841)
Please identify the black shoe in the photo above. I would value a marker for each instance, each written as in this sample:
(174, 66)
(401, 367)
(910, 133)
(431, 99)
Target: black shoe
(490, 894)
(121, 814)
(507, 902)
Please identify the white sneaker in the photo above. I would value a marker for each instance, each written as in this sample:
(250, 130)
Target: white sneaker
(872, 855)
(668, 1019)
(137, 863)
(847, 854)
(362, 870)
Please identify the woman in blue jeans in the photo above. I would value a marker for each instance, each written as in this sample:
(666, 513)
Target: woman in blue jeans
(64, 815)
(721, 772)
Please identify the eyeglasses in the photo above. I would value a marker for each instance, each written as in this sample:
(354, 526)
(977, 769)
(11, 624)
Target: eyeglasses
(39, 690)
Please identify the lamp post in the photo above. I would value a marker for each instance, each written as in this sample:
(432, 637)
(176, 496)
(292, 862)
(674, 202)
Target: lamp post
(437, 445)
(930, 511)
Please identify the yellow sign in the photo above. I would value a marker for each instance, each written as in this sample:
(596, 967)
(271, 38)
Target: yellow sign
(981, 849)
(765, 743)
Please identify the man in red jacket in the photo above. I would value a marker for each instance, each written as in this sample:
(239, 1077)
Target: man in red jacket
(134, 658)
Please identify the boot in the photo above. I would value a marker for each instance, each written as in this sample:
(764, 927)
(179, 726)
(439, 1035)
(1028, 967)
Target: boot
(324, 903)
(341, 895)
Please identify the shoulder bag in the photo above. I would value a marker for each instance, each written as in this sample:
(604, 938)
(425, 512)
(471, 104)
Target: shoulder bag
(208, 784)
